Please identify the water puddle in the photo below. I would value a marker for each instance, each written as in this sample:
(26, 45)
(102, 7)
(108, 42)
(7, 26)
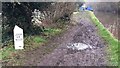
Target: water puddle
(78, 46)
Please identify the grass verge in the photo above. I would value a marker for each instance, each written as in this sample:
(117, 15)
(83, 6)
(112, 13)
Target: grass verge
(30, 43)
(110, 40)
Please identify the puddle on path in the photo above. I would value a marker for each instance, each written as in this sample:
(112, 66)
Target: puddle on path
(78, 46)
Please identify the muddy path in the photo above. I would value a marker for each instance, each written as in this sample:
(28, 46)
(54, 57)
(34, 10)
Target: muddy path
(84, 32)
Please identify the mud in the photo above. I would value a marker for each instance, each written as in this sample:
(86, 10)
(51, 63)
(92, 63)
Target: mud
(84, 32)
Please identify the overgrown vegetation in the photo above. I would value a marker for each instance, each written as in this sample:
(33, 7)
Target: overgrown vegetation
(112, 42)
(19, 13)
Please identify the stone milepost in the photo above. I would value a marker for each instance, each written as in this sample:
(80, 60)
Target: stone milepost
(18, 38)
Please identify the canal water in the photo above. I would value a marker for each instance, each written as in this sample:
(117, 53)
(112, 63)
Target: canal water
(107, 14)
(110, 21)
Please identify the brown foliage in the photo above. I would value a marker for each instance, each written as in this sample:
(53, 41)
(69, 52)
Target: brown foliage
(59, 9)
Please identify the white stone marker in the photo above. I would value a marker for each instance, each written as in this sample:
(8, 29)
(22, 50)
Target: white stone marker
(18, 37)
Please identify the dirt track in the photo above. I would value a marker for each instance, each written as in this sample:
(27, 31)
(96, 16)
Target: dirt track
(83, 32)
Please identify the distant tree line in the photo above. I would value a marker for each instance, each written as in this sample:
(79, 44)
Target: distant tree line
(111, 7)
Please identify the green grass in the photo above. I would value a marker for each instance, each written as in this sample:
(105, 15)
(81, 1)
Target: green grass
(108, 37)
(6, 52)
(39, 40)
(30, 42)
(52, 32)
